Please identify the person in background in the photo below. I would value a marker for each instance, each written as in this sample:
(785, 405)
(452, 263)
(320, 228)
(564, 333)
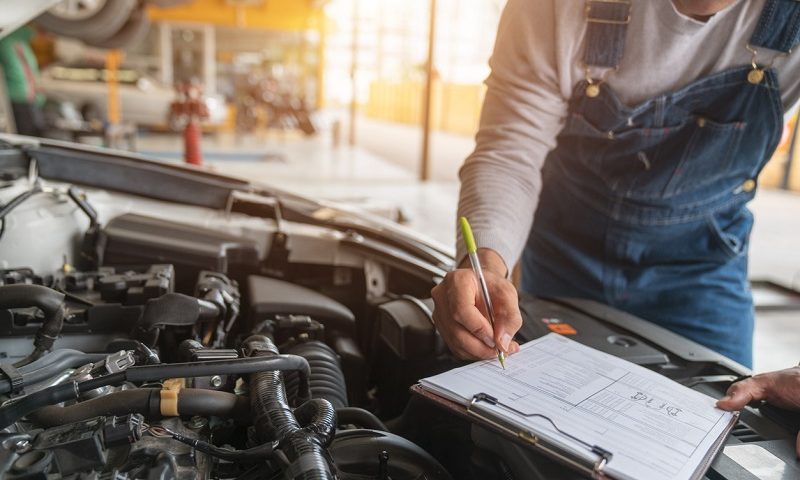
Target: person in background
(21, 74)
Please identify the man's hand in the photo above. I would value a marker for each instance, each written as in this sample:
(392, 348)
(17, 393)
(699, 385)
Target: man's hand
(781, 389)
(460, 314)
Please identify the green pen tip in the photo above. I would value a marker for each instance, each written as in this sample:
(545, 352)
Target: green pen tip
(502, 359)
(466, 232)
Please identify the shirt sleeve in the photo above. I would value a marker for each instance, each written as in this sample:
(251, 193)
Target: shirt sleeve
(523, 113)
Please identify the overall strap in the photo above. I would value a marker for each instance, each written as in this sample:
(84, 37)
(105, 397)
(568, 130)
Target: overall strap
(779, 26)
(606, 31)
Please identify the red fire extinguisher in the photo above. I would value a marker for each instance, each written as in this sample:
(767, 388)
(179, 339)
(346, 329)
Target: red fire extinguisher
(189, 109)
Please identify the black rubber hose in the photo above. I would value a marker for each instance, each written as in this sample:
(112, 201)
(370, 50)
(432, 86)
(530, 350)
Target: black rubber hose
(24, 296)
(10, 413)
(59, 360)
(304, 447)
(327, 379)
(273, 418)
(17, 201)
(238, 366)
(49, 301)
(14, 203)
(137, 400)
(318, 417)
(360, 418)
(145, 401)
(51, 365)
(195, 401)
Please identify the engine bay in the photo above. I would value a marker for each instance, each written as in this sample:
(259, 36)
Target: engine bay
(159, 335)
(240, 344)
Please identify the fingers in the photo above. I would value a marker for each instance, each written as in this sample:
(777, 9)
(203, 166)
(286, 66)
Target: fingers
(507, 317)
(467, 333)
(741, 393)
(466, 346)
(459, 315)
(462, 305)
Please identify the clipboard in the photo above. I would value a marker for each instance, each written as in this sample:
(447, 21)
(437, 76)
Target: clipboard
(474, 413)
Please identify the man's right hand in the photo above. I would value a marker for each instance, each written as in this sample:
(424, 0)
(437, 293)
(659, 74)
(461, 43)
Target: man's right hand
(460, 313)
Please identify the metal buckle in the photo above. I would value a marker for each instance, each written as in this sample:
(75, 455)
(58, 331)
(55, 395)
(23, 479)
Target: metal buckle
(589, 17)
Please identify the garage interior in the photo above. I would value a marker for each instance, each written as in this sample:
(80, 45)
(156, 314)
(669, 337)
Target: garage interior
(371, 106)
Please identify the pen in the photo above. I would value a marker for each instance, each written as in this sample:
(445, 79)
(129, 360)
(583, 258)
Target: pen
(472, 250)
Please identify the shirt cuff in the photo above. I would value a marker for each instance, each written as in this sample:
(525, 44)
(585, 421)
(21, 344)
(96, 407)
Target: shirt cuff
(491, 240)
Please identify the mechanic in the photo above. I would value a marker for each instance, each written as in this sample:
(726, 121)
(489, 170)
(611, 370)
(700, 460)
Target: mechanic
(781, 389)
(21, 73)
(655, 119)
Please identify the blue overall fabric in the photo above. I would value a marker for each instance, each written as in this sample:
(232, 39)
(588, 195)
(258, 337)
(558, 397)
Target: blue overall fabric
(644, 208)
(606, 32)
(779, 26)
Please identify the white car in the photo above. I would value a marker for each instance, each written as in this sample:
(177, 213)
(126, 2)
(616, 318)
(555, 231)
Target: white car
(143, 100)
(99, 23)
(14, 14)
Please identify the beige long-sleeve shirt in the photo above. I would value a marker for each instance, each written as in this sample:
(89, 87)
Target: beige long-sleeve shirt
(538, 59)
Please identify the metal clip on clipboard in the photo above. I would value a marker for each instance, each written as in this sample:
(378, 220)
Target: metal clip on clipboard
(595, 470)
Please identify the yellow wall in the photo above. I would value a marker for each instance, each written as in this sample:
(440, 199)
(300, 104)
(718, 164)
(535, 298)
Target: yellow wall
(287, 15)
(455, 108)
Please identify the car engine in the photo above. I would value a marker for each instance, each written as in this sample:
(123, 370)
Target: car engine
(149, 382)
(159, 322)
(137, 344)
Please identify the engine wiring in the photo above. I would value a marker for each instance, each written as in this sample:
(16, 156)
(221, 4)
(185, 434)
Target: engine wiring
(255, 454)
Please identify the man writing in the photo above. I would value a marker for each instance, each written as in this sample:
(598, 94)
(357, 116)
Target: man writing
(619, 145)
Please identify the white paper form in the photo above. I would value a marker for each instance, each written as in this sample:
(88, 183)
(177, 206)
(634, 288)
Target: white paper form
(655, 428)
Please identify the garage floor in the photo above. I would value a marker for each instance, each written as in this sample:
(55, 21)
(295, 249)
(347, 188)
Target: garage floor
(379, 176)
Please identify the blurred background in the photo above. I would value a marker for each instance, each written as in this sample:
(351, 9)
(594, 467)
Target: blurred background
(374, 99)
(373, 103)
(357, 70)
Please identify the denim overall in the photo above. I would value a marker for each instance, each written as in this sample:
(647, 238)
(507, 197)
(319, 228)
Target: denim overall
(644, 208)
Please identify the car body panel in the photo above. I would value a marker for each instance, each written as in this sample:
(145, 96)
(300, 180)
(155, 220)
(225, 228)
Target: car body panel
(14, 13)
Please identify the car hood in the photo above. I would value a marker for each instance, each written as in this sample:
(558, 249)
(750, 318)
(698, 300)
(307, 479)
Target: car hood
(135, 174)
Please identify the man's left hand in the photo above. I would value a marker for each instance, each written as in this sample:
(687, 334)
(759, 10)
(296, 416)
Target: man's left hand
(781, 389)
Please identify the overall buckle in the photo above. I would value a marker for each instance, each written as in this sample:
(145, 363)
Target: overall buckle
(605, 10)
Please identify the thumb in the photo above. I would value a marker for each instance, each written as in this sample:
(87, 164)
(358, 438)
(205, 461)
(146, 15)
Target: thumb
(741, 393)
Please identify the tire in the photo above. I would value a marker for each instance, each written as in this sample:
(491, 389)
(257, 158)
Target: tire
(134, 31)
(101, 26)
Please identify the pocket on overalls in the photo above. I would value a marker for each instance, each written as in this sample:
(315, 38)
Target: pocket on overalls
(629, 160)
(710, 156)
(731, 232)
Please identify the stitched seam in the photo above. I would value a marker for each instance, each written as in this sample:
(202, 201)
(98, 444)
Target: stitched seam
(795, 30)
(620, 210)
(684, 92)
(766, 16)
(598, 52)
